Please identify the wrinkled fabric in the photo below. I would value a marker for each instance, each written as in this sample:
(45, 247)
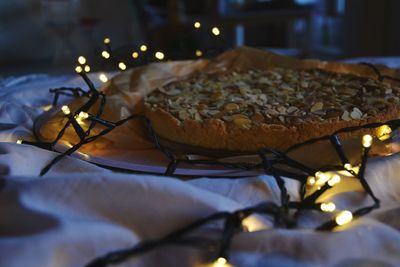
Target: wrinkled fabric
(79, 211)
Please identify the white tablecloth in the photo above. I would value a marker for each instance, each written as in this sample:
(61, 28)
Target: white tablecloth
(79, 211)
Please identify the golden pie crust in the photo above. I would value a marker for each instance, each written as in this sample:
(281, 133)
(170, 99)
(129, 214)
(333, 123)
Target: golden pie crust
(275, 108)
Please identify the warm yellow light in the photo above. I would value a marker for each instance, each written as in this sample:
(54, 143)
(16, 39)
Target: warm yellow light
(367, 140)
(344, 217)
(383, 132)
(81, 60)
(105, 54)
(78, 69)
(335, 179)
(216, 31)
(135, 54)
(19, 141)
(322, 177)
(103, 77)
(220, 262)
(122, 66)
(87, 68)
(65, 109)
(107, 40)
(159, 55)
(348, 166)
(328, 207)
(199, 53)
(197, 24)
(143, 48)
(83, 115)
(311, 180)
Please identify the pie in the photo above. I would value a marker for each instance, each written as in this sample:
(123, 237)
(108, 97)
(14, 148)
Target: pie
(276, 108)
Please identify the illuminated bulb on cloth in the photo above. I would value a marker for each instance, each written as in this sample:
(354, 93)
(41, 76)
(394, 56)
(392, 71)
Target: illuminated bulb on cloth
(197, 24)
(122, 66)
(215, 31)
(367, 140)
(87, 68)
(221, 262)
(159, 55)
(19, 141)
(107, 40)
(344, 217)
(311, 180)
(383, 132)
(328, 207)
(143, 48)
(103, 77)
(78, 69)
(348, 166)
(105, 54)
(65, 109)
(199, 53)
(335, 179)
(135, 54)
(81, 60)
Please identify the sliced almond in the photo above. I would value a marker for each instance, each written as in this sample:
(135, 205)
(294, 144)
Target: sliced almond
(232, 107)
(346, 116)
(317, 106)
(356, 113)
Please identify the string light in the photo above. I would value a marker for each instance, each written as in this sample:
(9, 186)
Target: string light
(328, 207)
(81, 60)
(311, 180)
(220, 262)
(216, 31)
(367, 140)
(83, 115)
(19, 141)
(348, 166)
(383, 132)
(199, 53)
(65, 109)
(105, 54)
(78, 69)
(122, 66)
(143, 48)
(344, 217)
(135, 54)
(87, 68)
(107, 40)
(103, 77)
(197, 24)
(159, 55)
(335, 179)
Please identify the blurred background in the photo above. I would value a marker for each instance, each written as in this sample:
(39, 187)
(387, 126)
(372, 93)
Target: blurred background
(48, 35)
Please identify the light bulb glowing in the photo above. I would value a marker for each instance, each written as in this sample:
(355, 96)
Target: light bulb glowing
(87, 68)
(19, 141)
(135, 54)
(328, 207)
(83, 115)
(335, 179)
(105, 54)
(197, 25)
(159, 55)
(122, 66)
(216, 31)
(367, 140)
(311, 180)
(66, 110)
(344, 217)
(81, 60)
(220, 262)
(103, 77)
(322, 177)
(199, 53)
(143, 48)
(78, 69)
(383, 132)
(348, 166)
(107, 40)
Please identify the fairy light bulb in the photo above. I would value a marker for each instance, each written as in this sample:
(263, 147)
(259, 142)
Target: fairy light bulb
(328, 207)
(143, 48)
(159, 55)
(135, 54)
(220, 262)
(107, 40)
(383, 132)
(348, 166)
(311, 180)
(82, 60)
(65, 109)
(335, 179)
(19, 141)
(87, 68)
(122, 66)
(103, 77)
(78, 69)
(197, 24)
(105, 54)
(216, 31)
(321, 177)
(344, 217)
(199, 53)
(367, 140)
(83, 115)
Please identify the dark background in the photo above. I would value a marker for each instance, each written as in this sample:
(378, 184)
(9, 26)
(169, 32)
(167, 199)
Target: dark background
(48, 35)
